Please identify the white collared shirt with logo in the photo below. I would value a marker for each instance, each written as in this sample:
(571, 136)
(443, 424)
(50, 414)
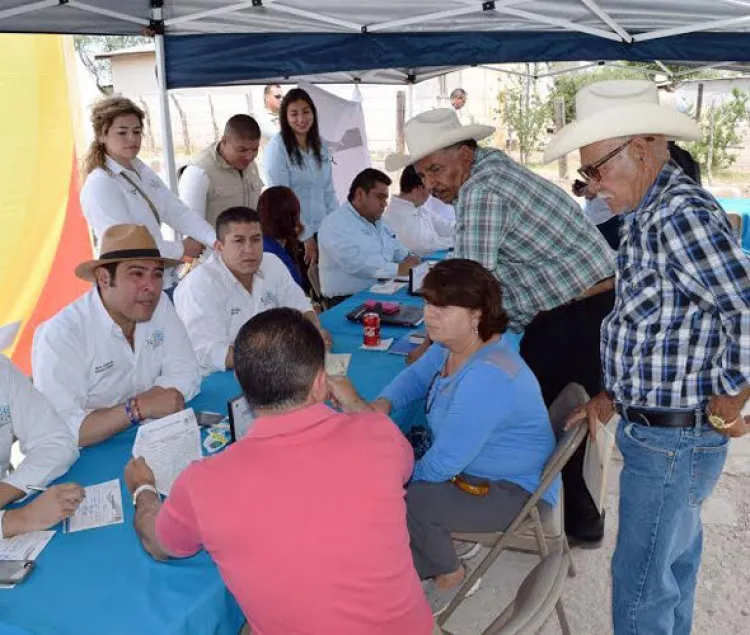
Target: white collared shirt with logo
(416, 228)
(48, 447)
(214, 305)
(108, 199)
(82, 361)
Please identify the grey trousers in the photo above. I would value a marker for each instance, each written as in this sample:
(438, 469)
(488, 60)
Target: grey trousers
(434, 510)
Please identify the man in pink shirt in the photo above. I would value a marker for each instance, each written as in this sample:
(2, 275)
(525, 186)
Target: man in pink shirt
(304, 516)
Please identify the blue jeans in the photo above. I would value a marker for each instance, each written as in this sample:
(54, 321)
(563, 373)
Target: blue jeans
(667, 474)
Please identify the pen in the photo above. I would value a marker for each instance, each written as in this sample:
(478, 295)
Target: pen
(35, 488)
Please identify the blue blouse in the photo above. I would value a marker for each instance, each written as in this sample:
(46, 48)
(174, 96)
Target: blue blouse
(312, 183)
(487, 420)
(273, 246)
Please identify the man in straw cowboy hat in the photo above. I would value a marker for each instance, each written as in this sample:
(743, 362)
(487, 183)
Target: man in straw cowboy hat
(118, 355)
(550, 260)
(676, 347)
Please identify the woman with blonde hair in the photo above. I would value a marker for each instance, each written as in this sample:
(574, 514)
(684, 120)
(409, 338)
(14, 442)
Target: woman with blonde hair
(122, 189)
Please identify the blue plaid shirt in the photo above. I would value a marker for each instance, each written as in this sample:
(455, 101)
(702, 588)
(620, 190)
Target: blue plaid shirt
(680, 328)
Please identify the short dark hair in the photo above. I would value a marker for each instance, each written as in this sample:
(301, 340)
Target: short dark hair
(279, 213)
(466, 283)
(268, 88)
(277, 355)
(242, 127)
(111, 268)
(409, 180)
(366, 180)
(234, 215)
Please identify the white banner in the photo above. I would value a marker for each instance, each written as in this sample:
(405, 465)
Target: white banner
(342, 128)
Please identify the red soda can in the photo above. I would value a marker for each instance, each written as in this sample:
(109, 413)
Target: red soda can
(371, 322)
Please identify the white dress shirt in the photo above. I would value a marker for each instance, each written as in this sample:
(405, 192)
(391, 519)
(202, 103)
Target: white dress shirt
(25, 414)
(214, 305)
(110, 200)
(268, 122)
(82, 361)
(416, 228)
(597, 210)
(193, 189)
(354, 253)
(444, 211)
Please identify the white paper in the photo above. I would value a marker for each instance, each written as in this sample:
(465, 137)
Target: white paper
(597, 459)
(169, 445)
(26, 546)
(101, 507)
(388, 287)
(337, 364)
(8, 334)
(383, 346)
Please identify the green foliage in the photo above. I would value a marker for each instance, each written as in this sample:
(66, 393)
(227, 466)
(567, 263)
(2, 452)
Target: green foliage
(525, 112)
(89, 46)
(726, 118)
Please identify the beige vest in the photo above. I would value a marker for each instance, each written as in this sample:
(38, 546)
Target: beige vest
(228, 187)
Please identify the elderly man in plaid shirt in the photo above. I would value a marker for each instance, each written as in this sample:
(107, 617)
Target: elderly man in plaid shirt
(554, 266)
(676, 348)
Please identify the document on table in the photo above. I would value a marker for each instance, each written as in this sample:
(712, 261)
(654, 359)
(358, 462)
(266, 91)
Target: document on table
(102, 506)
(26, 546)
(169, 445)
(597, 459)
(337, 364)
(388, 287)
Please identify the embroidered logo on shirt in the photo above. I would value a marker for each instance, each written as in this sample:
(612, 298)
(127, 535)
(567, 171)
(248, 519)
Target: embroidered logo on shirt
(269, 298)
(5, 418)
(104, 367)
(235, 311)
(157, 339)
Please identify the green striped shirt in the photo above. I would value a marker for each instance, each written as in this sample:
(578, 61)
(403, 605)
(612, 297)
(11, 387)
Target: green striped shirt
(530, 234)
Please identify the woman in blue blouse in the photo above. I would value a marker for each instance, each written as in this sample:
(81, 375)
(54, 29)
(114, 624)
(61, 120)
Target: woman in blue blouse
(298, 159)
(486, 415)
(278, 209)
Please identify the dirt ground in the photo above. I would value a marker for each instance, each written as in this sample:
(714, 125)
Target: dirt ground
(723, 595)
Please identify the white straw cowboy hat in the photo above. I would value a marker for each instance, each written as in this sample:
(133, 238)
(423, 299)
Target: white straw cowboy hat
(432, 131)
(121, 243)
(619, 108)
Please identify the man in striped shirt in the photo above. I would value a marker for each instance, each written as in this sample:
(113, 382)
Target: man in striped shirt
(676, 348)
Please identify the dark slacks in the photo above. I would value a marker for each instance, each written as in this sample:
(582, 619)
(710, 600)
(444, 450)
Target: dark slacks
(563, 346)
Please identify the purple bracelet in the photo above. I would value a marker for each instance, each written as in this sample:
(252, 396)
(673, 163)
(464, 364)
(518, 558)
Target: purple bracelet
(130, 411)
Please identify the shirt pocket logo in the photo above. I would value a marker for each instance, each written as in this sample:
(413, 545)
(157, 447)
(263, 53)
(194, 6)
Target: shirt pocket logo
(5, 418)
(157, 339)
(269, 299)
(234, 311)
(102, 368)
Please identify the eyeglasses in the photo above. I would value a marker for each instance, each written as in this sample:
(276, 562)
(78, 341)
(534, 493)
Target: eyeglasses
(591, 172)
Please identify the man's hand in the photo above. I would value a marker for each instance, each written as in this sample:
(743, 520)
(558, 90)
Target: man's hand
(596, 410)
(408, 264)
(311, 251)
(192, 248)
(46, 510)
(229, 359)
(740, 428)
(728, 407)
(137, 473)
(160, 402)
(343, 394)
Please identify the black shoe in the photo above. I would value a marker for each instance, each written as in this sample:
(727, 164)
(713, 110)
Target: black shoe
(588, 535)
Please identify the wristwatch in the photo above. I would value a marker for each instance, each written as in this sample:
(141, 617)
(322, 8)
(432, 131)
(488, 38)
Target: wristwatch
(143, 488)
(719, 423)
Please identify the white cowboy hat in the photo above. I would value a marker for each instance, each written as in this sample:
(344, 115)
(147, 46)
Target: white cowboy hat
(619, 108)
(432, 131)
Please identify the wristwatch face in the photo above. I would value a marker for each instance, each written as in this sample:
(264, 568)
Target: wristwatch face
(719, 423)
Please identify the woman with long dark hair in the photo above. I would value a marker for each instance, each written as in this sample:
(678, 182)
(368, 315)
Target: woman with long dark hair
(299, 160)
(279, 212)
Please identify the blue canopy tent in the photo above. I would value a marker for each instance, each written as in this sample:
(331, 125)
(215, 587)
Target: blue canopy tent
(224, 42)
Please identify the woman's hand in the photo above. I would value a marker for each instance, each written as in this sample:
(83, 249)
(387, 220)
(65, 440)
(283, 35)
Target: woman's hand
(311, 251)
(344, 395)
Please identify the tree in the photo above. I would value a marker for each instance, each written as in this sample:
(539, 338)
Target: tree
(524, 111)
(89, 46)
(720, 125)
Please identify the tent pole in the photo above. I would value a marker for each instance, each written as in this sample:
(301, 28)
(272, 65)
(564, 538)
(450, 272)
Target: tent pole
(166, 122)
(410, 100)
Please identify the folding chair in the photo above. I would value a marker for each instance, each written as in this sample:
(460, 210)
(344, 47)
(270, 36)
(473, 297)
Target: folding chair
(528, 531)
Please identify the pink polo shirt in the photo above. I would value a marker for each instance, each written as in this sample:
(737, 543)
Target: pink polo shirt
(305, 518)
